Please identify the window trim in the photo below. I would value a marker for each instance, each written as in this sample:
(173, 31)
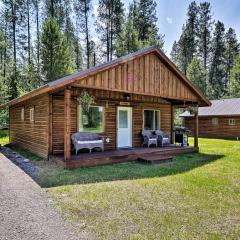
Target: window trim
(79, 117)
(159, 115)
(215, 123)
(32, 114)
(231, 122)
(22, 114)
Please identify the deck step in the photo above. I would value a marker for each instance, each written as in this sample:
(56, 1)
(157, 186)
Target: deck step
(155, 158)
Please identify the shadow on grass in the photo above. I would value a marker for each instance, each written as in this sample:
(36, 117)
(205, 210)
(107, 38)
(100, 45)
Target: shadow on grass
(51, 175)
(125, 171)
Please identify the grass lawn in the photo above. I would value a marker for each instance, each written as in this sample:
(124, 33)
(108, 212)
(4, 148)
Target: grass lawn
(195, 197)
(4, 139)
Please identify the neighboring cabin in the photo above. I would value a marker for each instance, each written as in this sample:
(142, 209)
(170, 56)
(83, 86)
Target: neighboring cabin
(138, 91)
(221, 120)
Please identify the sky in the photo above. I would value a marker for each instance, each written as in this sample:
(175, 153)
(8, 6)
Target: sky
(172, 15)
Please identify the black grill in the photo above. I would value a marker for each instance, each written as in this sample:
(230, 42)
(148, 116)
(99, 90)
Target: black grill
(181, 136)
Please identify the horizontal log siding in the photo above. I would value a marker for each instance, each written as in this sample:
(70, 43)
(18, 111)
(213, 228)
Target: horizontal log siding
(144, 75)
(222, 130)
(110, 107)
(32, 136)
(58, 123)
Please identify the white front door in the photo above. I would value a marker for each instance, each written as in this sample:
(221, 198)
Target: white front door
(124, 127)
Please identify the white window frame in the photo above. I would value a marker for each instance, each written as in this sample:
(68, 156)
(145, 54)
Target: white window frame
(80, 118)
(22, 114)
(231, 122)
(31, 114)
(159, 116)
(215, 121)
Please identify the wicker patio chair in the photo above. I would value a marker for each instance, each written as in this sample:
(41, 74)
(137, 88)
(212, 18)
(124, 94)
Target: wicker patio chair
(162, 138)
(149, 138)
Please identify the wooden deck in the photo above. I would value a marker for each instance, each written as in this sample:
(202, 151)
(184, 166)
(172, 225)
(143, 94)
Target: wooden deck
(148, 155)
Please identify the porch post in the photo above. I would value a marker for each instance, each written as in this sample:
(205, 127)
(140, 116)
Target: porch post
(196, 128)
(172, 124)
(67, 124)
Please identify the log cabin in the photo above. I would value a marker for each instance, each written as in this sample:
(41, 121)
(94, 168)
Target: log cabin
(144, 87)
(221, 120)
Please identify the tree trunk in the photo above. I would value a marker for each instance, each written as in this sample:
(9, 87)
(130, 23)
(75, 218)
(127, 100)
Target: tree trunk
(14, 38)
(29, 36)
(87, 34)
(38, 42)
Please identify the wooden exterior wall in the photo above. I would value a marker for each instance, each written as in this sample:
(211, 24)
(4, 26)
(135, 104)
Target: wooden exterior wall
(221, 130)
(144, 75)
(31, 135)
(110, 101)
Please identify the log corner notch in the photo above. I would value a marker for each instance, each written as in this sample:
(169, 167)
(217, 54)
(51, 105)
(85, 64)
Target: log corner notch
(67, 124)
(196, 129)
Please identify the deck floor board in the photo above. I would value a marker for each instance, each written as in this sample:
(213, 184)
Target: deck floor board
(122, 155)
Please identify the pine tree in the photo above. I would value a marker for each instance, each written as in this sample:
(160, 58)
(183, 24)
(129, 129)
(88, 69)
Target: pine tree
(82, 9)
(77, 55)
(187, 44)
(128, 40)
(217, 70)
(235, 78)
(232, 50)
(57, 9)
(145, 21)
(204, 32)
(56, 55)
(174, 55)
(110, 24)
(183, 56)
(191, 30)
(196, 73)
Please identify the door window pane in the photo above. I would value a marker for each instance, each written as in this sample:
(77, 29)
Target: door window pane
(123, 119)
(91, 121)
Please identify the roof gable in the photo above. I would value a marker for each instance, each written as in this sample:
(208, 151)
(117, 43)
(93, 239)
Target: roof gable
(136, 78)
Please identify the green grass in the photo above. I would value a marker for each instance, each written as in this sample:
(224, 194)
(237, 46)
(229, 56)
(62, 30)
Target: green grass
(4, 138)
(197, 196)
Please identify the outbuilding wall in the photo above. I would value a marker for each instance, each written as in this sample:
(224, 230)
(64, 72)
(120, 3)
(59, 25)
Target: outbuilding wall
(220, 130)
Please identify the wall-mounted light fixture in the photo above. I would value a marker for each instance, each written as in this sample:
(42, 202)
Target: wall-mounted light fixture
(127, 96)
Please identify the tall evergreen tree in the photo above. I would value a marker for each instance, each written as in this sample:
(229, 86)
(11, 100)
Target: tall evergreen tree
(110, 24)
(82, 9)
(56, 55)
(187, 44)
(205, 25)
(217, 69)
(196, 73)
(145, 20)
(235, 78)
(128, 40)
(232, 50)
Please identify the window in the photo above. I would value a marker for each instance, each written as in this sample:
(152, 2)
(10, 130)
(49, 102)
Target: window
(151, 119)
(231, 121)
(93, 120)
(22, 114)
(31, 115)
(214, 121)
(123, 119)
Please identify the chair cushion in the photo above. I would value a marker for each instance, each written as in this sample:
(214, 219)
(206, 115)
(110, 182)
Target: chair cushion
(90, 141)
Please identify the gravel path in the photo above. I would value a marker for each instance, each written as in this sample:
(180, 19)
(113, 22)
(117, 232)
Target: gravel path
(26, 212)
